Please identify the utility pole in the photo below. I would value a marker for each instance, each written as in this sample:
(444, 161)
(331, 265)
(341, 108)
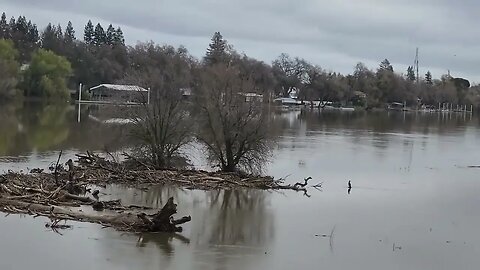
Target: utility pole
(416, 64)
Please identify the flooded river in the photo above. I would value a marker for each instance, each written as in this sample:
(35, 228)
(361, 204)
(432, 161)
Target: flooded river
(414, 202)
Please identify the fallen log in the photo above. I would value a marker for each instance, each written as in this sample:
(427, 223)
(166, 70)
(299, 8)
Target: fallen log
(127, 221)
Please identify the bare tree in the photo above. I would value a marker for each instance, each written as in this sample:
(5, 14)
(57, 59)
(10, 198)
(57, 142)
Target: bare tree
(233, 128)
(163, 126)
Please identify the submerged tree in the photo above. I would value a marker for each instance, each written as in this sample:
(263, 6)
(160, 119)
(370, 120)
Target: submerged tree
(235, 131)
(289, 73)
(164, 126)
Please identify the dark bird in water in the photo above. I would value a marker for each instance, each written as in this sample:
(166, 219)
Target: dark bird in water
(349, 184)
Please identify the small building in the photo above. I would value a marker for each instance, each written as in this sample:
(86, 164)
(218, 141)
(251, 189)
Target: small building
(287, 102)
(252, 97)
(116, 93)
(396, 106)
(186, 93)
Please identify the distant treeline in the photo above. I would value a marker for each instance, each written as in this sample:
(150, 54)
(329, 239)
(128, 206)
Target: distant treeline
(47, 63)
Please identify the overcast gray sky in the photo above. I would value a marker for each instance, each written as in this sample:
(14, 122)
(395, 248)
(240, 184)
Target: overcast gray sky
(335, 34)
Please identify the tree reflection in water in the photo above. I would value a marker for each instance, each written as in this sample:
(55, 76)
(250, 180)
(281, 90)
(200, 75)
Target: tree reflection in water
(226, 224)
(239, 217)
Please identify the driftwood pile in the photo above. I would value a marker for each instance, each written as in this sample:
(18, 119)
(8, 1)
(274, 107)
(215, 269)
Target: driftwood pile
(95, 169)
(64, 193)
(57, 197)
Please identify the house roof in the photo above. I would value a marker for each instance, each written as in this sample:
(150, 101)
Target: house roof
(120, 87)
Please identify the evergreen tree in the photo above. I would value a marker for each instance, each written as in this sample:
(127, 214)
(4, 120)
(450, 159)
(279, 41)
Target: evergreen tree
(118, 38)
(100, 37)
(428, 78)
(11, 26)
(32, 39)
(19, 35)
(411, 74)
(111, 33)
(32, 34)
(386, 66)
(21, 27)
(217, 50)
(69, 35)
(59, 32)
(89, 33)
(51, 40)
(4, 29)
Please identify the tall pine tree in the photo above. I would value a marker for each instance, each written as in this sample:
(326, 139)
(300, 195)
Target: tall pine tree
(69, 35)
(59, 32)
(111, 33)
(428, 78)
(52, 39)
(411, 74)
(89, 33)
(217, 50)
(19, 35)
(119, 39)
(33, 36)
(12, 24)
(100, 38)
(386, 66)
(4, 29)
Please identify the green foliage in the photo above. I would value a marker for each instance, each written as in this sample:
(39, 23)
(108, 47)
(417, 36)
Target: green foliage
(47, 75)
(9, 70)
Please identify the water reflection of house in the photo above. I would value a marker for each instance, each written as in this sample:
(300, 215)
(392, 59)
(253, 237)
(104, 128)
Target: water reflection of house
(114, 93)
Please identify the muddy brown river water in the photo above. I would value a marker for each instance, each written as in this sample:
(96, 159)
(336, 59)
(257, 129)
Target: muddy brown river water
(414, 204)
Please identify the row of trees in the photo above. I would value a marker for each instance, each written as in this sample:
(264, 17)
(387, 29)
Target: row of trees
(103, 57)
(100, 57)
